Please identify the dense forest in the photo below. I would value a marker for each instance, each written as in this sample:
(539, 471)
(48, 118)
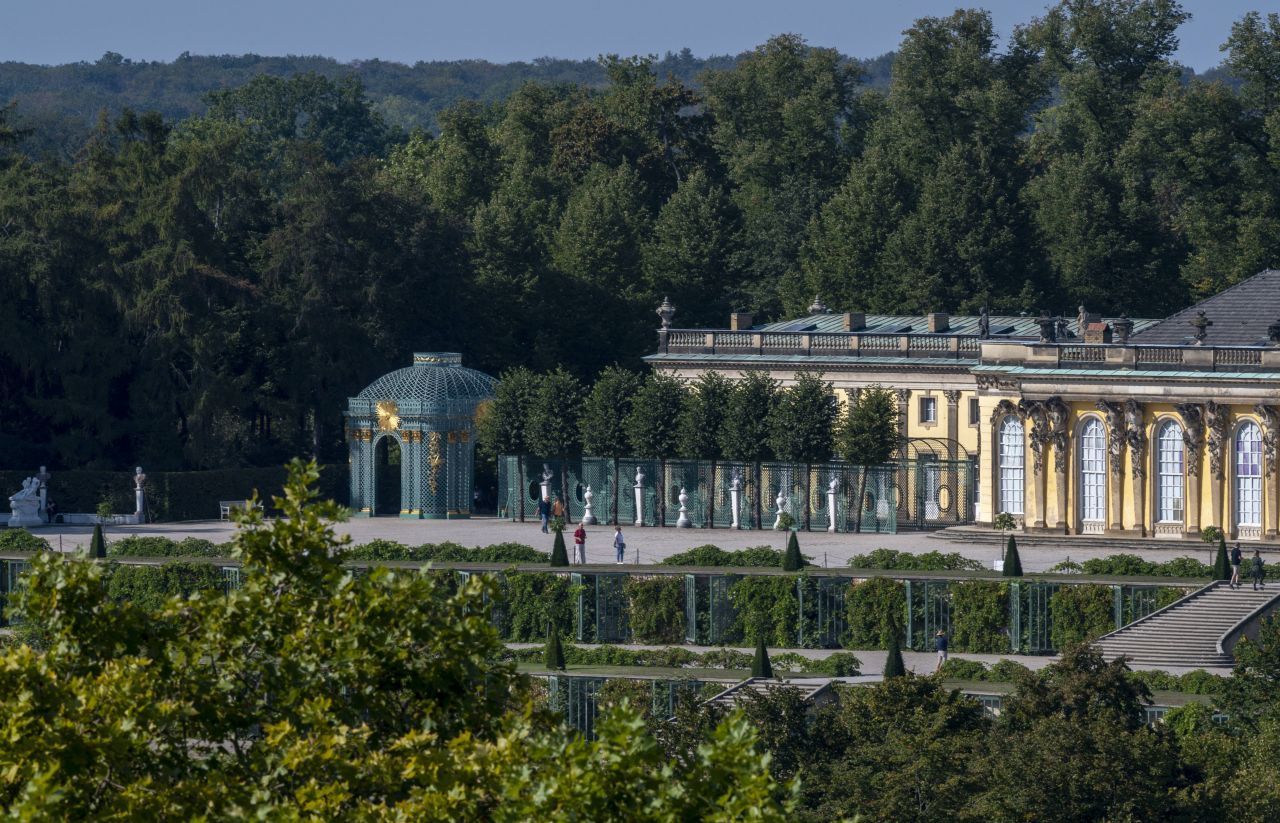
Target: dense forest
(206, 291)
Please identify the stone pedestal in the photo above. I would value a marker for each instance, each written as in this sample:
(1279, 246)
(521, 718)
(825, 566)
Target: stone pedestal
(735, 502)
(639, 492)
(683, 521)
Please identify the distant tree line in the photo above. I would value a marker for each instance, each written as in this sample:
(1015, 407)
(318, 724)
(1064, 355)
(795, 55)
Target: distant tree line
(207, 292)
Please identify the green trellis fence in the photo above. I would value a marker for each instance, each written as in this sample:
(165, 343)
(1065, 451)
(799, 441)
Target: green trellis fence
(647, 492)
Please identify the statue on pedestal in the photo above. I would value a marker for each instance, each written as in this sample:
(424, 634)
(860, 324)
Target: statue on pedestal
(24, 506)
(683, 521)
(588, 516)
(139, 494)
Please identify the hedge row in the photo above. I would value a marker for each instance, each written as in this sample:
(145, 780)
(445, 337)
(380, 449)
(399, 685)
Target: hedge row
(173, 496)
(840, 664)
(1132, 564)
(446, 552)
(1008, 671)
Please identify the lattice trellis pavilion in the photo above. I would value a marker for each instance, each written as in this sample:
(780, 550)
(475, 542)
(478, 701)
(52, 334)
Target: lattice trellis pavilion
(426, 415)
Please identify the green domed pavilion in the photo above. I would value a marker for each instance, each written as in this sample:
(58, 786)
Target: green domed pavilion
(411, 435)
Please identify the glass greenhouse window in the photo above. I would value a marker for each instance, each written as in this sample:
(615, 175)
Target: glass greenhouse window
(1248, 475)
(1093, 472)
(1169, 472)
(1012, 466)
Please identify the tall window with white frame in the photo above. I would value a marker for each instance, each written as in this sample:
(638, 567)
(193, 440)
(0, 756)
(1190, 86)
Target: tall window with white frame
(1093, 476)
(1013, 458)
(1169, 473)
(1248, 480)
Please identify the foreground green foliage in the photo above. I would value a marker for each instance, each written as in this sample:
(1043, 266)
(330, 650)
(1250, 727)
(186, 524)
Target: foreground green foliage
(310, 692)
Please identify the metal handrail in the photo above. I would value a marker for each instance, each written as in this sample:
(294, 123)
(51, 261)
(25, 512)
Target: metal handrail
(1242, 622)
(1161, 610)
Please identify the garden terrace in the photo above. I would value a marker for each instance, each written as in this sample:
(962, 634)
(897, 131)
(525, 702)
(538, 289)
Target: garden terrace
(815, 608)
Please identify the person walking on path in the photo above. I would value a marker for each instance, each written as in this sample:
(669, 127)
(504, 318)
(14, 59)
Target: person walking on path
(1236, 557)
(580, 545)
(619, 545)
(544, 512)
(1256, 571)
(940, 643)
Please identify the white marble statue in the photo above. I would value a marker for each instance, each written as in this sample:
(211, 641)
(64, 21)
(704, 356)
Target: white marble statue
(588, 516)
(781, 503)
(24, 505)
(683, 521)
(735, 498)
(639, 492)
(139, 494)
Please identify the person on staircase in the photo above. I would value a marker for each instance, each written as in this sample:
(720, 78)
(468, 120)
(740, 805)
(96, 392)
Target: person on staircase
(1257, 572)
(1236, 557)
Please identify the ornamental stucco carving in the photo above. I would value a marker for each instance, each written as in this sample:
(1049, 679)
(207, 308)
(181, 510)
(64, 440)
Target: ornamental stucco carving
(1217, 418)
(1115, 434)
(1269, 421)
(1058, 413)
(1040, 435)
(1003, 409)
(1192, 435)
(1135, 433)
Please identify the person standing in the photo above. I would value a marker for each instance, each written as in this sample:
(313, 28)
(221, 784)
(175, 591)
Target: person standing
(940, 643)
(1257, 572)
(544, 511)
(1236, 557)
(580, 545)
(619, 545)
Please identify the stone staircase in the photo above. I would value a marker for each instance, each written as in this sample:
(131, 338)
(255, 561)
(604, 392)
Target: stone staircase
(979, 535)
(1190, 632)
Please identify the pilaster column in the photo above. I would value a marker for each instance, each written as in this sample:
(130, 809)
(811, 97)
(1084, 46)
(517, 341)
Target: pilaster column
(953, 422)
(1057, 413)
(1217, 419)
(1136, 434)
(1115, 462)
(1193, 443)
(904, 401)
(1270, 486)
(1039, 443)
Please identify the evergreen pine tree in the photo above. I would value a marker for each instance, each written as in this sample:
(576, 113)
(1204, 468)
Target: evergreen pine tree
(559, 556)
(760, 665)
(893, 665)
(553, 657)
(1221, 566)
(792, 561)
(1012, 562)
(98, 545)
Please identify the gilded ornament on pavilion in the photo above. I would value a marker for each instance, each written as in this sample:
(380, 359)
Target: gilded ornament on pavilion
(388, 415)
(434, 461)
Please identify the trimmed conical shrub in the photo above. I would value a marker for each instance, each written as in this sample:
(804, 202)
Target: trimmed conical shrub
(760, 665)
(559, 556)
(792, 561)
(98, 545)
(553, 657)
(893, 665)
(1012, 562)
(1221, 565)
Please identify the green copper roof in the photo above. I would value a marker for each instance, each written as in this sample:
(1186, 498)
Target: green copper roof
(435, 378)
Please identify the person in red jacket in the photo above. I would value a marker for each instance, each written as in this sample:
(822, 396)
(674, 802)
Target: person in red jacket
(580, 545)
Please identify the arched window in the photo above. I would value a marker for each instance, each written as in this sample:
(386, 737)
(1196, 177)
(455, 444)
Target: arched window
(1248, 475)
(1093, 475)
(1169, 473)
(1012, 466)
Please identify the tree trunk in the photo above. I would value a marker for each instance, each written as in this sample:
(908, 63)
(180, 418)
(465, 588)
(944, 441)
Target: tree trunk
(862, 496)
(564, 489)
(808, 492)
(711, 499)
(759, 495)
(662, 492)
(520, 480)
(616, 490)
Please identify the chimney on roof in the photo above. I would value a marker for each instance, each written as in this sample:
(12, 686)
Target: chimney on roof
(740, 321)
(1097, 333)
(854, 321)
(939, 321)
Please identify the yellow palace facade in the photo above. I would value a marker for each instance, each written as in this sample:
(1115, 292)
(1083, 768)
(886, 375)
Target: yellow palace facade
(1082, 425)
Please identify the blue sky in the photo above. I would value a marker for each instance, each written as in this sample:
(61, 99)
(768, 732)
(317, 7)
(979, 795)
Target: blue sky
(59, 31)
